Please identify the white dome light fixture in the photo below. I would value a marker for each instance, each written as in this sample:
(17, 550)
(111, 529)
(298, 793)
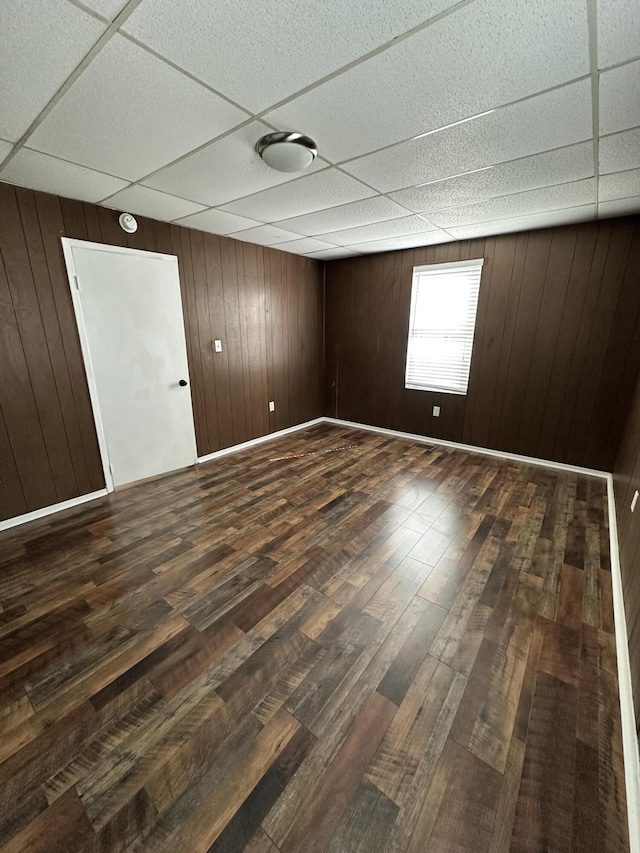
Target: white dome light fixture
(287, 152)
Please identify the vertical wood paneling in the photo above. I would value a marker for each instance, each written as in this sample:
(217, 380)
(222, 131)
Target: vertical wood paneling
(618, 353)
(547, 331)
(535, 268)
(514, 285)
(603, 327)
(488, 354)
(555, 354)
(210, 437)
(51, 227)
(215, 294)
(581, 343)
(193, 324)
(264, 305)
(29, 455)
(29, 353)
(71, 475)
(11, 494)
(565, 343)
(233, 340)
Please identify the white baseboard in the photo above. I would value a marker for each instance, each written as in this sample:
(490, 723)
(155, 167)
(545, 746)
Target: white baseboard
(254, 442)
(50, 510)
(627, 713)
(92, 496)
(472, 448)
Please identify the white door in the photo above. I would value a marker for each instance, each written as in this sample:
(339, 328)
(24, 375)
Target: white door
(131, 328)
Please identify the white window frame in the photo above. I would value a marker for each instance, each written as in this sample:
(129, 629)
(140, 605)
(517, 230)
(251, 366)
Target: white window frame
(415, 282)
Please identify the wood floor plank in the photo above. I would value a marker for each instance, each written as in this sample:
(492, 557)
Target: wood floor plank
(544, 811)
(493, 729)
(390, 646)
(458, 809)
(401, 673)
(246, 821)
(62, 828)
(366, 823)
(326, 803)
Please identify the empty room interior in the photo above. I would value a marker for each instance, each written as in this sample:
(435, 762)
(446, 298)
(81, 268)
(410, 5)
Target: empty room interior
(320, 426)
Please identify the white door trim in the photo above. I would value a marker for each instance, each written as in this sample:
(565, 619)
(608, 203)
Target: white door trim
(68, 244)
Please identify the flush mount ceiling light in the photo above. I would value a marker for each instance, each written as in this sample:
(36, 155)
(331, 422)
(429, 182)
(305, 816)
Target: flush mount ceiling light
(287, 152)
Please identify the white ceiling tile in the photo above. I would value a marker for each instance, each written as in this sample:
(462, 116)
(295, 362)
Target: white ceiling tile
(541, 170)
(620, 98)
(146, 202)
(40, 45)
(260, 53)
(553, 120)
(618, 31)
(333, 254)
(379, 231)
(51, 175)
(130, 113)
(526, 223)
(217, 222)
(619, 185)
(5, 147)
(266, 235)
(226, 170)
(313, 192)
(619, 207)
(107, 8)
(304, 246)
(518, 204)
(620, 151)
(351, 215)
(409, 241)
(446, 72)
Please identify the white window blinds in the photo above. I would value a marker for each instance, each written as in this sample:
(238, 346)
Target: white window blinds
(444, 301)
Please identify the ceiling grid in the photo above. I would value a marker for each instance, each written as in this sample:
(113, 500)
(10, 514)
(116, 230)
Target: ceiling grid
(435, 120)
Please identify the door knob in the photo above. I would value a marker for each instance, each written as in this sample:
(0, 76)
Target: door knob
(183, 383)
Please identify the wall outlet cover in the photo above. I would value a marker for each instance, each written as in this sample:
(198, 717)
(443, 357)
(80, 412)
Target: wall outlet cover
(272, 406)
(218, 346)
(436, 411)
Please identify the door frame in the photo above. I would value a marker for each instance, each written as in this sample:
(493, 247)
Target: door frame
(68, 244)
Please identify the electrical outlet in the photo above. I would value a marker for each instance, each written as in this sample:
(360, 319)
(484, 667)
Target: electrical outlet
(436, 411)
(634, 501)
(218, 346)
(272, 406)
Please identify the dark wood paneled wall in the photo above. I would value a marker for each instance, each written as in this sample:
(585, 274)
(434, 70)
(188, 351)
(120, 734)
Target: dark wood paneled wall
(266, 306)
(626, 479)
(556, 351)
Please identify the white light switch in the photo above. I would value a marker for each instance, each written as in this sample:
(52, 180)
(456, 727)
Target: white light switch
(272, 406)
(436, 411)
(218, 346)
(634, 501)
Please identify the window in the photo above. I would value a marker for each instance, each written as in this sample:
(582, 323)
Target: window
(444, 301)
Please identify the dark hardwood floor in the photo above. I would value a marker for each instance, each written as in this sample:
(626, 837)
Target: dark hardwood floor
(385, 647)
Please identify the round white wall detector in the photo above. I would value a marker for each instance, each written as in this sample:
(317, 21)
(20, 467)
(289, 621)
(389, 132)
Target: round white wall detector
(128, 223)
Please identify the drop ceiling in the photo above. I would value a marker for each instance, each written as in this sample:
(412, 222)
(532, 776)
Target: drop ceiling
(435, 120)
